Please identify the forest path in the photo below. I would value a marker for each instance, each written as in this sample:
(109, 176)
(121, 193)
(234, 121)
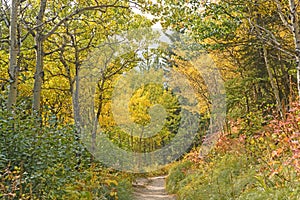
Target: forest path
(152, 188)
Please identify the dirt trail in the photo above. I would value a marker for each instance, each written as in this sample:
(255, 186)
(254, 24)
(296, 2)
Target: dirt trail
(151, 189)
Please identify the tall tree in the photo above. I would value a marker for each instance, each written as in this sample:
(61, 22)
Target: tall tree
(14, 49)
(47, 24)
(291, 21)
(229, 29)
(4, 44)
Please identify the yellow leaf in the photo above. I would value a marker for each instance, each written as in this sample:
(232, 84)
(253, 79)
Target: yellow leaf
(109, 182)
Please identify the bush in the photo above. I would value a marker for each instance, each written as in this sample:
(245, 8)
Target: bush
(224, 179)
(255, 166)
(177, 174)
(45, 156)
(49, 162)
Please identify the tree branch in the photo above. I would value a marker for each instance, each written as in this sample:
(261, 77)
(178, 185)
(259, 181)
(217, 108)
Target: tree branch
(79, 11)
(30, 30)
(282, 17)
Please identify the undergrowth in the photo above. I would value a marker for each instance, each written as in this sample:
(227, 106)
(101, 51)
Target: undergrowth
(262, 165)
(48, 162)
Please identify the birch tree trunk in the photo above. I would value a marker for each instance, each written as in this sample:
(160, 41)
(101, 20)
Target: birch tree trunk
(39, 71)
(13, 54)
(293, 26)
(296, 34)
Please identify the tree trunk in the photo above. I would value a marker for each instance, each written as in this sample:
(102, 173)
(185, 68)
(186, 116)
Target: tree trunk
(293, 26)
(75, 100)
(275, 89)
(39, 68)
(39, 73)
(273, 85)
(13, 54)
(296, 34)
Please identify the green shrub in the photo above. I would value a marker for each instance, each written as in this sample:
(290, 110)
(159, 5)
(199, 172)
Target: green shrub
(124, 189)
(49, 162)
(177, 174)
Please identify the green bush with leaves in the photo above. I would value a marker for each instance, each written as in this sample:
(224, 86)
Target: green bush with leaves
(45, 155)
(176, 175)
(49, 162)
